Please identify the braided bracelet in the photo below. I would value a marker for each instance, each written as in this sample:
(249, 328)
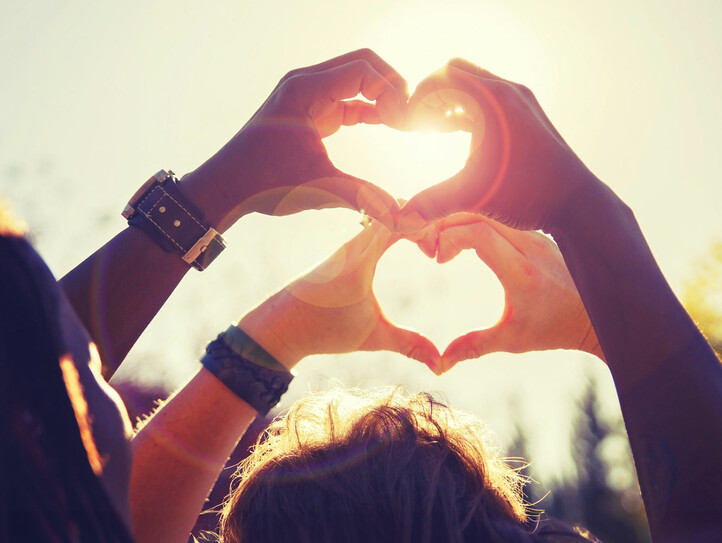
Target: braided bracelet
(247, 369)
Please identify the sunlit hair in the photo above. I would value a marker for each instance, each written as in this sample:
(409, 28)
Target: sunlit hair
(378, 466)
(9, 225)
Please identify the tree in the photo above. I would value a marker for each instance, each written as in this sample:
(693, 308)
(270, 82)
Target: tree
(609, 506)
(702, 296)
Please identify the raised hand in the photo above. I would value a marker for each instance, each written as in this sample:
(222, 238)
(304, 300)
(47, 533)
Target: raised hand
(542, 308)
(333, 309)
(277, 164)
(520, 171)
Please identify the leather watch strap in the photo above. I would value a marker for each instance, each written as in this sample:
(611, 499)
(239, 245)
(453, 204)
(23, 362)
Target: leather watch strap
(161, 211)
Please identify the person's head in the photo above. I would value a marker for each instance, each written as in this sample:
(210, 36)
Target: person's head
(383, 467)
(64, 454)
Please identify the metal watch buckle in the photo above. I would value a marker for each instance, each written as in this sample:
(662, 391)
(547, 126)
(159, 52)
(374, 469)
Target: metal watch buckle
(159, 177)
(200, 246)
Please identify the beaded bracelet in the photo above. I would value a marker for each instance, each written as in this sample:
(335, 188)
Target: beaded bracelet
(247, 369)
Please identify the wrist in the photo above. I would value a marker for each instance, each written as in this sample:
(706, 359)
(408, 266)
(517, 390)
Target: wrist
(208, 190)
(270, 327)
(588, 209)
(225, 182)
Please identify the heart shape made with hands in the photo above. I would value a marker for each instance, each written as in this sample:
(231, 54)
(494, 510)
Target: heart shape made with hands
(442, 301)
(542, 308)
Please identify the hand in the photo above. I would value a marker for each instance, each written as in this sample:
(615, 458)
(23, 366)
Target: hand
(333, 309)
(277, 163)
(542, 308)
(520, 171)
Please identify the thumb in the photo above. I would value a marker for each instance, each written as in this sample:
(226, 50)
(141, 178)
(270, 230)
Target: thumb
(389, 337)
(474, 345)
(338, 189)
(434, 203)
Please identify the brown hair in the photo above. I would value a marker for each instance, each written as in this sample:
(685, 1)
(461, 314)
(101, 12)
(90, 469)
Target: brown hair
(383, 467)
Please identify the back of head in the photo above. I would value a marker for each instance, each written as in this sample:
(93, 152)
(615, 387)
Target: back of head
(47, 487)
(382, 467)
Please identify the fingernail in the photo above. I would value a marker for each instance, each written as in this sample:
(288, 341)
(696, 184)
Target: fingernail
(436, 366)
(428, 249)
(426, 240)
(448, 361)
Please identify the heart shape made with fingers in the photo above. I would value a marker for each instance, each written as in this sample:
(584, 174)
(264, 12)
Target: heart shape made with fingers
(442, 301)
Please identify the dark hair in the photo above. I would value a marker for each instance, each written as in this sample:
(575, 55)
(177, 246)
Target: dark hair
(48, 489)
(382, 467)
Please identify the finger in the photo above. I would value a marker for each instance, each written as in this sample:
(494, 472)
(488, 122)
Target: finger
(434, 203)
(346, 113)
(527, 242)
(445, 101)
(353, 78)
(470, 67)
(357, 112)
(444, 109)
(346, 277)
(494, 249)
(340, 190)
(372, 243)
(474, 345)
(464, 65)
(378, 64)
(388, 337)
(425, 239)
(429, 241)
(428, 238)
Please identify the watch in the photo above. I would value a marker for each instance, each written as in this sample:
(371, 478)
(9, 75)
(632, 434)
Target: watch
(159, 209)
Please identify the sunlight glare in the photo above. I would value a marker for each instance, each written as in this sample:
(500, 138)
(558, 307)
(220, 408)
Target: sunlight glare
(403, 163)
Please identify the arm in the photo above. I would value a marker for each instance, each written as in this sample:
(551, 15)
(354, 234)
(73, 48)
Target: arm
(669, 381)
(276, 164)
(180, 451)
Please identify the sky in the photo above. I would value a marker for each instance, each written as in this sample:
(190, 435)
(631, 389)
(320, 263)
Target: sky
(96, 96)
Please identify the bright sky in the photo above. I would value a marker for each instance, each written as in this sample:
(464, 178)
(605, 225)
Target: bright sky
(97, 96)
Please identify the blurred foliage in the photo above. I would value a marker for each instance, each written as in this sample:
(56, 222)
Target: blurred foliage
(702, 296)
(603, 495)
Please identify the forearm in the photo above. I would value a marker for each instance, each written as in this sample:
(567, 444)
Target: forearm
(180, 451)
(668, 379)
(179, 454)
(119, 289)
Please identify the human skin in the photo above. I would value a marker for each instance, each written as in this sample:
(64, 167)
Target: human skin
(276, 164)
(669, 381)
(331, 309)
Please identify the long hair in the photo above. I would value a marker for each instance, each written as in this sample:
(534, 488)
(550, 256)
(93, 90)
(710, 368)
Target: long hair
(48, 489)
(383, 467)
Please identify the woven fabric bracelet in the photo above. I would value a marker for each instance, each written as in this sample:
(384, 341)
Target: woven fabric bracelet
(247, 369)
